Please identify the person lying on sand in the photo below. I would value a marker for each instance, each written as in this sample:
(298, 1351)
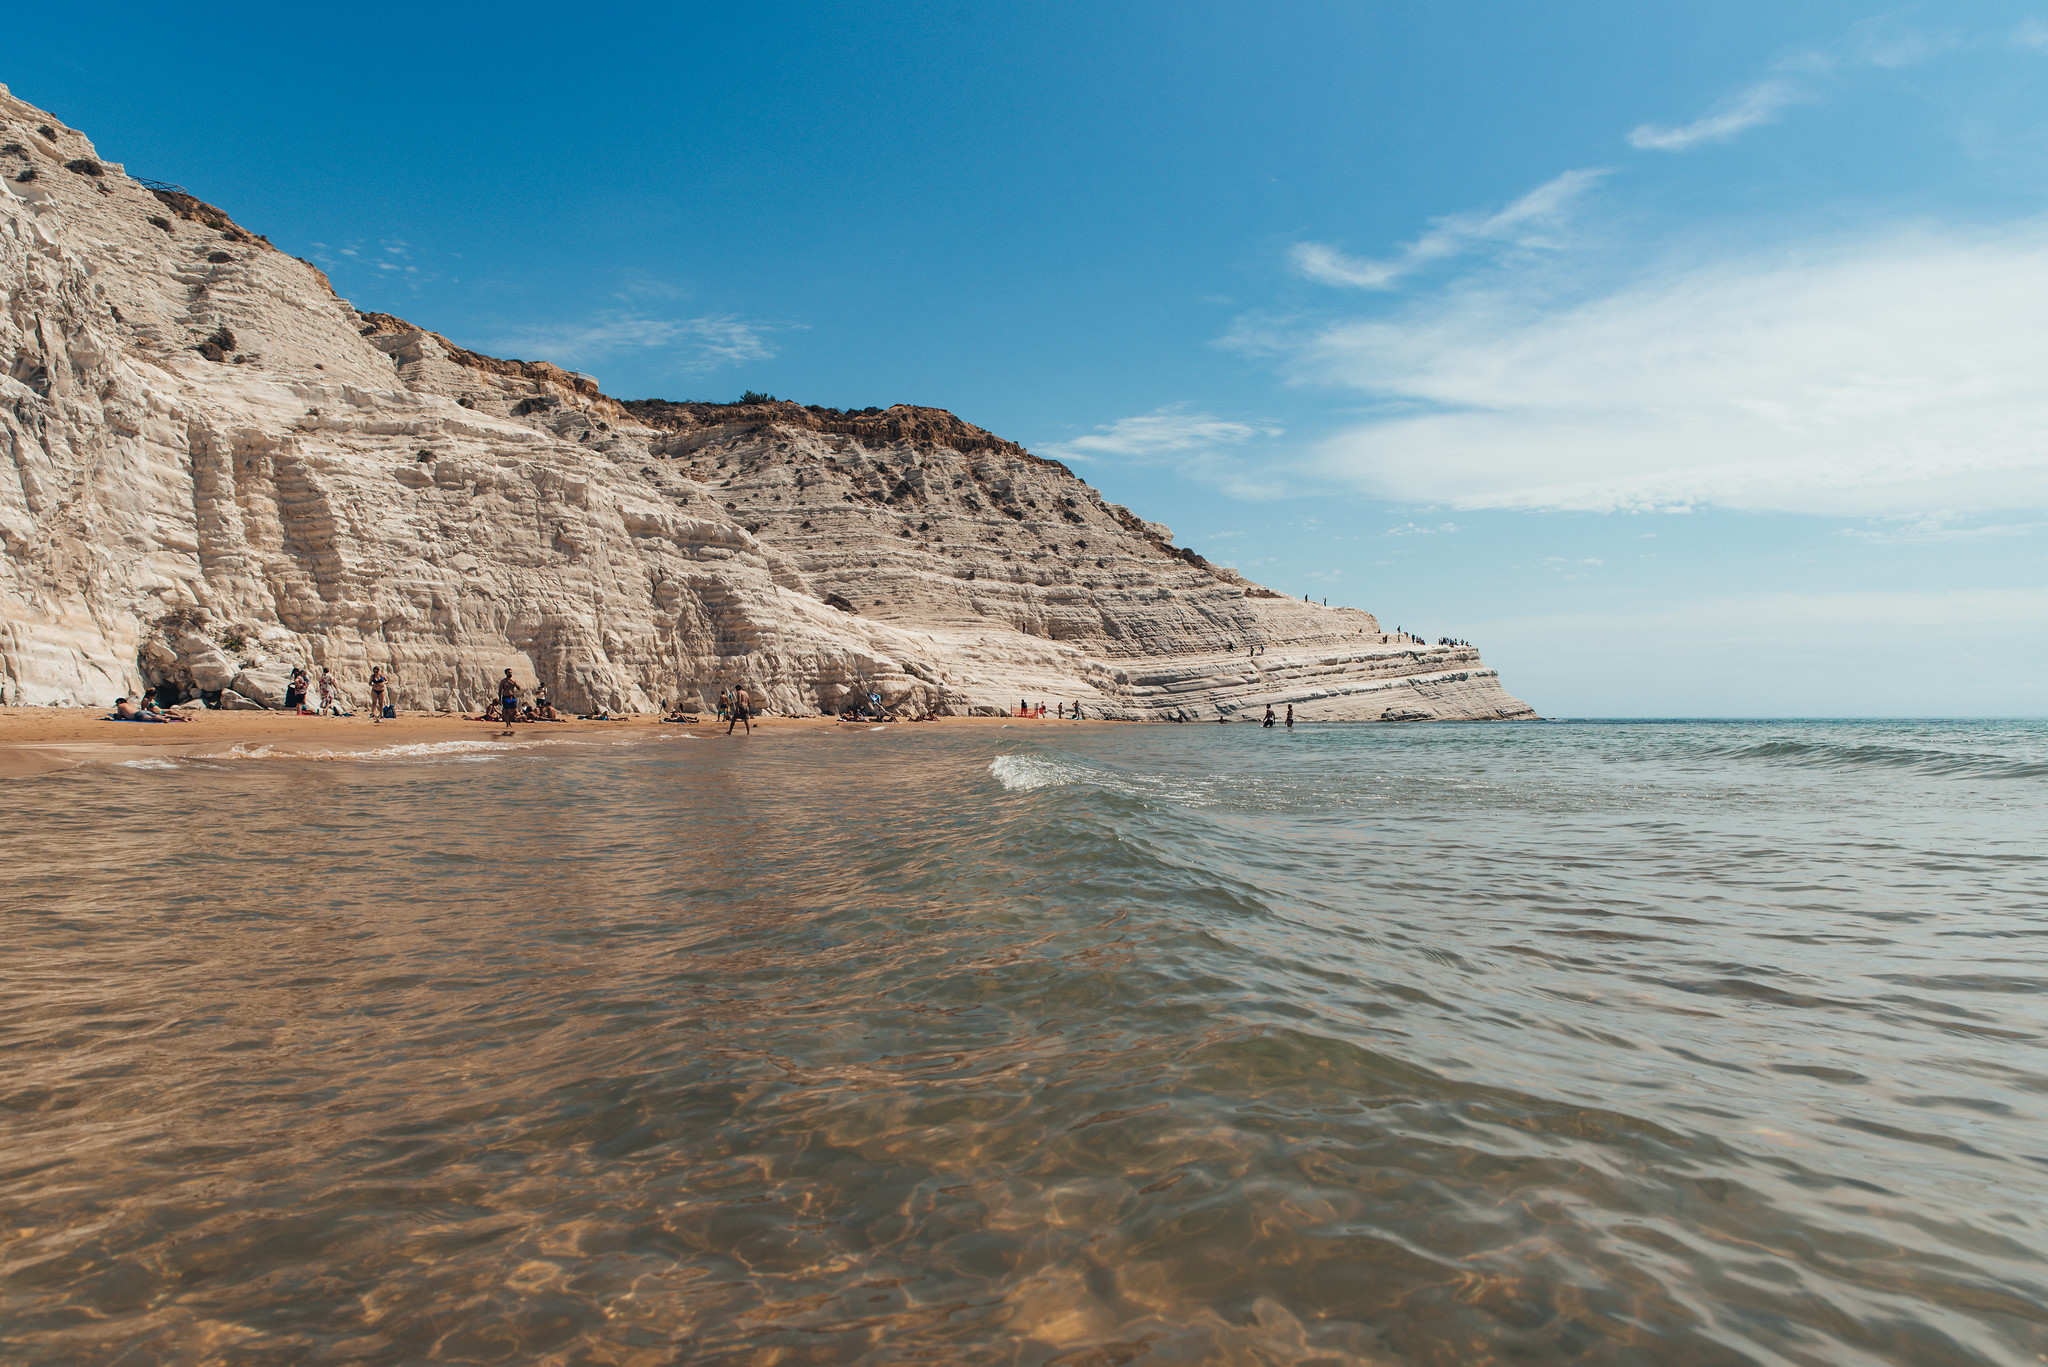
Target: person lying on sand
(128, 711)
(686, 718)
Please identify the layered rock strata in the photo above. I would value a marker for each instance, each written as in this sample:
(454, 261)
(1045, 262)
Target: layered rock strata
(216, 468)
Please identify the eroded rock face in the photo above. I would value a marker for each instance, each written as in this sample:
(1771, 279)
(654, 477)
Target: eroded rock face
(214, 469)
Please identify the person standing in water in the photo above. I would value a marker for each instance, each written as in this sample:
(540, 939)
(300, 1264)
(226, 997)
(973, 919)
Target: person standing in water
(508, 701)
(1269, 715)
(739, 711)
(377, 695)
(1290, 716)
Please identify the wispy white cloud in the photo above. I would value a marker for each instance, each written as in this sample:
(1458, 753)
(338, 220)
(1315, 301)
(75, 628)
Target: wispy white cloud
(2030, 35)
(1198, 445)
(1887, 376)
(1531, 222)
(1886, 42)
(397, 259)
(1940, 526)
(699, 344)
(1164, 431)
(1759, 104)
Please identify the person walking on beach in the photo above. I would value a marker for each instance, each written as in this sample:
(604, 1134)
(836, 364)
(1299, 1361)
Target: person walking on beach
(327, 693)
(377, 695)
(508, 701)
(739, 711)
(724, 703)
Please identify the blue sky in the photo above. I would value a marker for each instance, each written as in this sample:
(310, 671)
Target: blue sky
(1690, 361)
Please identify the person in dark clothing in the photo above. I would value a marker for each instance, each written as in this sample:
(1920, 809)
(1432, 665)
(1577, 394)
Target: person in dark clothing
(1290, 716)
(1269, 714)
(740, 711)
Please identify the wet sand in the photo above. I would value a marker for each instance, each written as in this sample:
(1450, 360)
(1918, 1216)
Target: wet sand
(44, 739)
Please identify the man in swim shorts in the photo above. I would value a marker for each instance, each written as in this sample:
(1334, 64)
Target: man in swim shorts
(740, 711)
(508, 702)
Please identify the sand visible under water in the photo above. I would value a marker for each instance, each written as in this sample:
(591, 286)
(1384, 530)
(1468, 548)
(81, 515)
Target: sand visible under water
(1611, 1044)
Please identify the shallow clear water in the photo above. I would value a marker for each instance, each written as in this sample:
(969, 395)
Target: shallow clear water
(1633, 1043)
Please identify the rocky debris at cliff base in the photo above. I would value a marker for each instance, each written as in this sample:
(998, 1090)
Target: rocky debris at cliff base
(205, 452)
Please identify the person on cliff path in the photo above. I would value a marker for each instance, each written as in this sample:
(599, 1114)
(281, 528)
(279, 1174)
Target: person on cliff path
(508, 701)
(376, 695)
(739, 711)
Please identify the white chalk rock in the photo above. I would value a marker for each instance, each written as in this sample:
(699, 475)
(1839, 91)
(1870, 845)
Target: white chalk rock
(198, 431)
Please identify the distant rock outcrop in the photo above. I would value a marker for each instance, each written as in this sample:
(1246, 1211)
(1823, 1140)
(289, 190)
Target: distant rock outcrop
(216, 468)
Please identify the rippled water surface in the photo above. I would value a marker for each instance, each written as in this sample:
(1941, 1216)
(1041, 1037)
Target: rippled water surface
(1641, 1043)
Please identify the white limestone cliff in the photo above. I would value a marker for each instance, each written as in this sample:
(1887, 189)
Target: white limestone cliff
(215, 468)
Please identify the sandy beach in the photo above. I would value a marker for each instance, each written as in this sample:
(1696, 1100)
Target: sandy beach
(44, 739)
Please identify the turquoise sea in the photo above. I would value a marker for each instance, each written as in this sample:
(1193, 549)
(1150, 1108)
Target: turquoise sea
(1609, 1043)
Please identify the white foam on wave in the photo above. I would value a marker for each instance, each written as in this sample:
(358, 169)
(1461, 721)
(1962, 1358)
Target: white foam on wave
(147, 764)
(1022, 773)
(469, 751)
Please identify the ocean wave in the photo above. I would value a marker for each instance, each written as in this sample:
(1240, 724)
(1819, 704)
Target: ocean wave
(1022, 773)
(464, 750)
(147, 764)
(1838, 755)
